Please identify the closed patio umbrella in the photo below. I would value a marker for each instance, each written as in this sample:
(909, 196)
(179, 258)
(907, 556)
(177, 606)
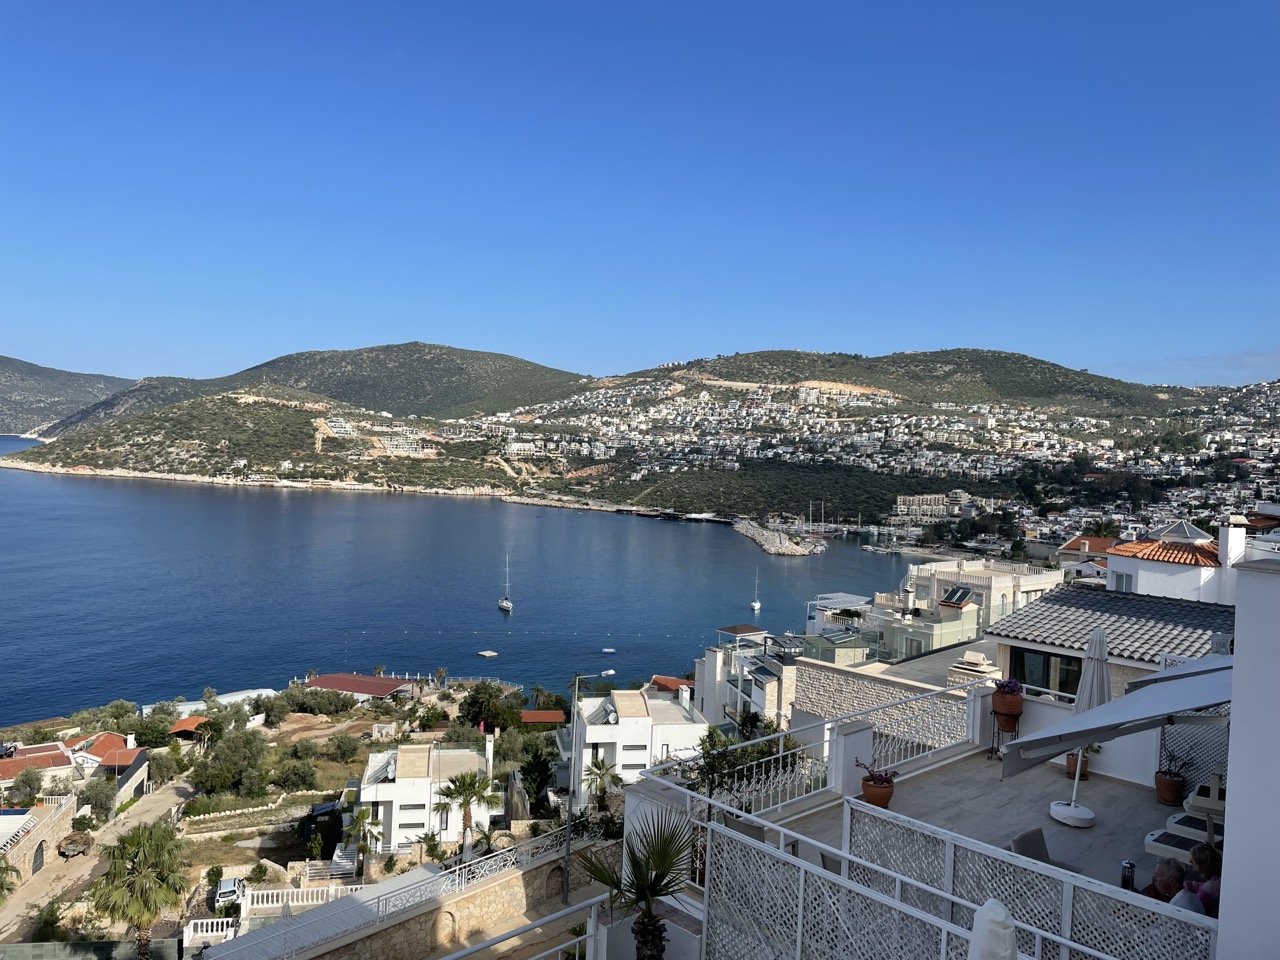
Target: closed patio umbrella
(1094, 691)
(993, 936)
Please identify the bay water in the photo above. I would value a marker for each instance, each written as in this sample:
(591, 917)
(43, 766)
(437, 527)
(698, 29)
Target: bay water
(147, 589)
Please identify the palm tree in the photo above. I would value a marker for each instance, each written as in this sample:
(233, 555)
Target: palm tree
(379, 670)
(600, 776)
(146, 875)
(8, 875)
(467, 790)
(441, 673)
(486, 837)
(363, 829)
(1102, 528)
(656, 858)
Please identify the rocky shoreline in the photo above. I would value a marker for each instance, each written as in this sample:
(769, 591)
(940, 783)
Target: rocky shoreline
(774, 542)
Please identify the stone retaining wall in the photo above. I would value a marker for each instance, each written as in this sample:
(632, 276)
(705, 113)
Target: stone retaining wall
(482, 910)
(48, 830)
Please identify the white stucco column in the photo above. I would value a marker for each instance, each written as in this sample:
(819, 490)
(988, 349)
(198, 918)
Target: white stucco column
(1249, 922)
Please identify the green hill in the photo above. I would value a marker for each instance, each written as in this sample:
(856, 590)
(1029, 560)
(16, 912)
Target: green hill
(419, 378)
(32, 396)
(265, 427)
(964, 376)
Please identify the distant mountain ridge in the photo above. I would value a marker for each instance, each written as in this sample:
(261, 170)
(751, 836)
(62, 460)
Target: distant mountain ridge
(963, 376)
(405, 378)
(32, 396)
(441, 381)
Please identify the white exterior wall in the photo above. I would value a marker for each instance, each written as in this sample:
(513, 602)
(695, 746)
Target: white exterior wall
(1249, 924)
(676, 739)
(1176, 580)
(610, 740)
(394, 805)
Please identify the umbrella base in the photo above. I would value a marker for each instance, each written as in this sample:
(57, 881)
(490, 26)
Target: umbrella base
(1072, 814)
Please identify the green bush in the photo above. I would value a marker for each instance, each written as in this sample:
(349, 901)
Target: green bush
(389, 865)
(258, 873)
(126, 805)
(212, 876)
(295, 775)
(100, 794)
(343, 747)
(83, 824)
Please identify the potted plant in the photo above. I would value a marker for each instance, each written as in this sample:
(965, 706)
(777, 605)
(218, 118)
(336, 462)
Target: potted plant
(1083, 754)
(1007, 704)
(877, 783)
(1171, 781)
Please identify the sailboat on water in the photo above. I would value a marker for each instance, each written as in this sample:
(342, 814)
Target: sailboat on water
(505, 604)
(755, 601)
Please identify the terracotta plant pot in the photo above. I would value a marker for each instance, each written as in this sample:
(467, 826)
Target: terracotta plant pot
(1008, 707)
(1071, 766)
(1170, 788)
(876, 794)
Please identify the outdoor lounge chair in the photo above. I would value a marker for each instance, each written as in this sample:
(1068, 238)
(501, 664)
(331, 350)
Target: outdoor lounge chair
(1030, 843)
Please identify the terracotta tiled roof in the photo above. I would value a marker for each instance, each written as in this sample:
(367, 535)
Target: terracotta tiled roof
(187, 724)
(1166, 551)
(668, 684)
(358, 683)
(103, 744)
(121, 757)
(1138, 627)
(15, 765)
(1087, 544)
(542, 716)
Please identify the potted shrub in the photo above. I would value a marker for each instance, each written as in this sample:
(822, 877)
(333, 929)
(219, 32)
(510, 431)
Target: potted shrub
(877, 783)
(1007, 704)
(1083, 754)
(1171, 781)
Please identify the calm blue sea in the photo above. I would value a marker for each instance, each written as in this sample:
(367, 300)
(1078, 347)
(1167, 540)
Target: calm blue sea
(148, 590)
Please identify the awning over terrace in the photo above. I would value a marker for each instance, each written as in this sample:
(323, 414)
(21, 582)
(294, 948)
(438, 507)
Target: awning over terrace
(1155, 701)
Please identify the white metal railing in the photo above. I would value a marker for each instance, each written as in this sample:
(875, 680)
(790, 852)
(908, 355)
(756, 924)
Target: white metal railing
(201, 931)
(887, 851)
(20, 831)
(278, 897)
(779, 768)
(57, 799)
(318, 926)
(814, 911)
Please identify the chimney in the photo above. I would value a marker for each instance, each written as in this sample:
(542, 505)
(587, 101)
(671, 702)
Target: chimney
(130, 742)
(1231, 541)
(683, 693)
(488, 753)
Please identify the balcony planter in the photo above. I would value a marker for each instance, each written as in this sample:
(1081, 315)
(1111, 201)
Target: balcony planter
(877, 794)
(877, 785)
(1006, 702)
(1171, 787)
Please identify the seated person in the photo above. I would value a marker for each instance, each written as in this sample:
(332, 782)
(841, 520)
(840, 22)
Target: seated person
(1206, 861)
(1168, 880)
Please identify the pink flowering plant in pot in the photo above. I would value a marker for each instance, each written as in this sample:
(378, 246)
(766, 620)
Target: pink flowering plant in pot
(877, 783)
(880, 776)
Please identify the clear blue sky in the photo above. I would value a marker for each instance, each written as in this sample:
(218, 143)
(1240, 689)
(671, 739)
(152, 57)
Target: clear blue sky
(193, 188)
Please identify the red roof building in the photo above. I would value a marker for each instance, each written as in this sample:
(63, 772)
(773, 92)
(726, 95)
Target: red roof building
(359, 685)
(542, 716)
(187, 725)
(668, 684)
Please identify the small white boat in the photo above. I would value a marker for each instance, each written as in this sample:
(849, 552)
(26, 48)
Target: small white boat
(608, 650)
(755, 601)
(505, 604)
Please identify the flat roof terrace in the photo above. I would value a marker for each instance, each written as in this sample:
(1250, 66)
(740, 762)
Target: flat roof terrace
(966, 796)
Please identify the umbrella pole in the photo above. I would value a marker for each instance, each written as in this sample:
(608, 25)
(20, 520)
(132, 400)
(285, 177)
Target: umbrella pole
(1075, 788)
